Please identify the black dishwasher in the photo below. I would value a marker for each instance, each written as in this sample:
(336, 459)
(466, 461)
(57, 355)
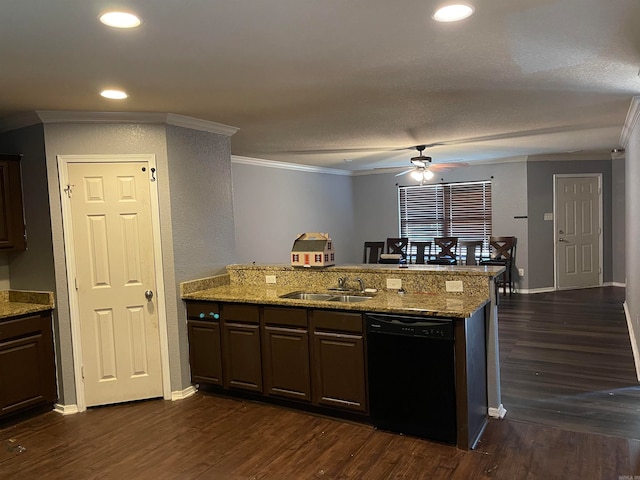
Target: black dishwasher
(411, 373)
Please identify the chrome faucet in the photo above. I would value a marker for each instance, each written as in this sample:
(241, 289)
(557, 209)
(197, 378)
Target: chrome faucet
(342, 283)
(359, 280)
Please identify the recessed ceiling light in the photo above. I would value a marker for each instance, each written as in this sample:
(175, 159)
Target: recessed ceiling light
(453, 13)
(114, 94)
(120, 19)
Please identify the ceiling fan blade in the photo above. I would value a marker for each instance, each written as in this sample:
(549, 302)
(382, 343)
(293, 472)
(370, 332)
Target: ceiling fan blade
(405, 172)
(447, 166)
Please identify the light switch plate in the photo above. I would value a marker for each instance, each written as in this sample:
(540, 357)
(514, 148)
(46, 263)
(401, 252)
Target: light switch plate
(454, 286)
(548, 216)
(271, 279)
(394, 283)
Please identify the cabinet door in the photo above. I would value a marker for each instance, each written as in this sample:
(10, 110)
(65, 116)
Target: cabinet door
(242, 362)
(11, 211)
(339, 370)
(286, 362)
(27, 364)
(205, 356)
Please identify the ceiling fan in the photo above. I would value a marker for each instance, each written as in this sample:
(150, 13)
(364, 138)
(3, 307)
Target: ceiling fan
(423, 167)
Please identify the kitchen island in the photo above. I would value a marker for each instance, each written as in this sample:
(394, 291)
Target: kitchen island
(314, 351)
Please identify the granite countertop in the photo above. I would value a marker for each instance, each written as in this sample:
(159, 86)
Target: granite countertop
(383, 301)
(15, 303)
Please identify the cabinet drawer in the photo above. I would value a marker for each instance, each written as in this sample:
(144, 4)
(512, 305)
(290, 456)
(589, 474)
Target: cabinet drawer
(203, 311)
(337, 321)
(240, 313)
(294, 317)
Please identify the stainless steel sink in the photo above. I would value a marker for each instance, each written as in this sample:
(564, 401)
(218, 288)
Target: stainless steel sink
(308, 296)
(349, 298)
(328, 297)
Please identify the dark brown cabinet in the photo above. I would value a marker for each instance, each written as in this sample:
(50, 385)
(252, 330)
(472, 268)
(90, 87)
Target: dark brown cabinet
(27, 363)
(241, 347)
(339, 360)
(310, 356)
(205, 353)
(12, 232)
(286, 353)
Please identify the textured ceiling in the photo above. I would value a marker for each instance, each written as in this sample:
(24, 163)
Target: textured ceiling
(340, 84)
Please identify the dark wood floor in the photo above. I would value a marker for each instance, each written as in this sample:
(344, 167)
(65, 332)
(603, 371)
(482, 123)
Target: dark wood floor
(209, 437)
(562, 356)
(566, 361)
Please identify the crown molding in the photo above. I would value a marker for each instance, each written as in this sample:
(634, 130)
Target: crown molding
(630, 122)
(52, 116)
(198, 124)
(259, 162)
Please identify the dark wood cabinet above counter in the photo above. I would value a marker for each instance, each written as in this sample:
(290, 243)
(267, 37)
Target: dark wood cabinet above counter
(12, 229)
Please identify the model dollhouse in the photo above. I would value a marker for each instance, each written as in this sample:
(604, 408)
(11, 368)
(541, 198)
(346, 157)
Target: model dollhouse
(312, 250)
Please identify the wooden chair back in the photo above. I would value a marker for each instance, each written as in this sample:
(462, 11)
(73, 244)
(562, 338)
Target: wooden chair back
(472, 251)
(422, 251)
(372, 251)
(447, 246)
(398, 246)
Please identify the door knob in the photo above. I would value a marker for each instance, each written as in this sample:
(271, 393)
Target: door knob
(148, 295)
(561, 240)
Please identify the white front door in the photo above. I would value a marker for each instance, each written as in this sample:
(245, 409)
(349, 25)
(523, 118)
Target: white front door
(577, 231)
(115, 283)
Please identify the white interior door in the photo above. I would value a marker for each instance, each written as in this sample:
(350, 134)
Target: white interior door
(115, 278)
(578, 231)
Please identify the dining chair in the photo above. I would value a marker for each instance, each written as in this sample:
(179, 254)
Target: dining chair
(447, 253)
(503, 253)
(472, 251)
(372, 251)
(396, 250)
(422, 251)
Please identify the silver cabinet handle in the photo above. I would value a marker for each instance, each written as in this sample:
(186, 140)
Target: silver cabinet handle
(148, 295)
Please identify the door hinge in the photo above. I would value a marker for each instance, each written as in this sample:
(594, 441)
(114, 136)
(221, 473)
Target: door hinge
(82, 371)
(75, 281)
(69, 190)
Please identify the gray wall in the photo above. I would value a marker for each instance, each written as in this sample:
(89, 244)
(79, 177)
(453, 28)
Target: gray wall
(540, 201)
(632, 214)
(202, 223)
(376, 203)
(274, 205)
(618, 221)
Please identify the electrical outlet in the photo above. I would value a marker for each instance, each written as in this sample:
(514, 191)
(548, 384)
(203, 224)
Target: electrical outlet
(454, 286)
(394, 283)
(521, 272)
(271, 278)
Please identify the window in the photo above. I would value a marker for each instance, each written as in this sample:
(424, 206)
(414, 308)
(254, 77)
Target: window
(460, 210)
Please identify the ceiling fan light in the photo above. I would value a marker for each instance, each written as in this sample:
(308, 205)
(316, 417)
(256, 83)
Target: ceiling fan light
(417, 175)
(453, 12)
(428, 174)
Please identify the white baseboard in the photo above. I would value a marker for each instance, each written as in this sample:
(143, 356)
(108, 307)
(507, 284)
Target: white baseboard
(499, 412)
(634, 342)
(65, 409)
(528, 291)
(182, 394)
(614, 284)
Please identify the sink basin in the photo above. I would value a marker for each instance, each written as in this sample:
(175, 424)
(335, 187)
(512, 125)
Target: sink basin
(349, 298)
(329, 297)
(308, 296)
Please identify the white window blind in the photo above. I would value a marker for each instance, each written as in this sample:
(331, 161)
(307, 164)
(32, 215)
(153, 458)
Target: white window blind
(460, 210)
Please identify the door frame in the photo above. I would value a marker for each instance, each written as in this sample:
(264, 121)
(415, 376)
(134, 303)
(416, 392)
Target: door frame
(67, 228)
(557, 176)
